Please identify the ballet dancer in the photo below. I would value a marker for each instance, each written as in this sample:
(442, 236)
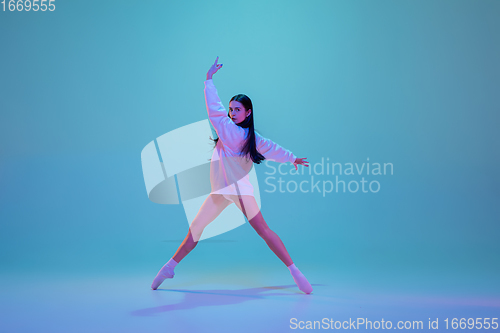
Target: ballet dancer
(237, 147)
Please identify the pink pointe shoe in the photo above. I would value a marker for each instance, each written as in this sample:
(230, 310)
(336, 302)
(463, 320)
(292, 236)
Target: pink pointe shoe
(165, 272)
(300, 279)
(302, 282)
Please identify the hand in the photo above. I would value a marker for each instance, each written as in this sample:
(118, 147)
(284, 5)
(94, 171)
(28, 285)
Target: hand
(215, 67)
(301, 161)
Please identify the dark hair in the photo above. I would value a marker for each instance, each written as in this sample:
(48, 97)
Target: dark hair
(250, 146)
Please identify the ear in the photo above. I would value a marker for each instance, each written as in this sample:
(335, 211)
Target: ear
(249, 111)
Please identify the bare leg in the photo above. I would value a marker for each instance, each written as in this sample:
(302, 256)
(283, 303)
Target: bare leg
(186, 246)
(249, 207)
(214, 204)
(271, 238)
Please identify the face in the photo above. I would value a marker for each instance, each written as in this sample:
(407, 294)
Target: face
(237, 112)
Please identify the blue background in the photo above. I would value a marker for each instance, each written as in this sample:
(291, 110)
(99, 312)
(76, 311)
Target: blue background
(413, 83)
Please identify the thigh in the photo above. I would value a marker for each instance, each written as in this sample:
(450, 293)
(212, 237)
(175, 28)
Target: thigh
(213, 205)
(248, 205)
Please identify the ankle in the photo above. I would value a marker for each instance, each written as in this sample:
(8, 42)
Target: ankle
(293, 268)
(172, 263)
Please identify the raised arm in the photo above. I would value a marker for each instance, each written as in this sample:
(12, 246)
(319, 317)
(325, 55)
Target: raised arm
(213, 69)
(216, 111)
(227, 131)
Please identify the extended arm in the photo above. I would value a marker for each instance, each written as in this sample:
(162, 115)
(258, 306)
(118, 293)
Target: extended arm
(273, 151)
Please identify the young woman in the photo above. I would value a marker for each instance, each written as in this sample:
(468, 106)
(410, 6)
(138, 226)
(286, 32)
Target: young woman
(237, 147)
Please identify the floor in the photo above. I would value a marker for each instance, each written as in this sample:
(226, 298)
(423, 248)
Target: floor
(237, 300)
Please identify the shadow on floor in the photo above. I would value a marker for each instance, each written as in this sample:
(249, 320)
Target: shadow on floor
(198, 298)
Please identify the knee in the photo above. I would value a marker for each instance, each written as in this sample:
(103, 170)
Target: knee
(265, 233)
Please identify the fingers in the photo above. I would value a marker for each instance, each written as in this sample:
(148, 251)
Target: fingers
(217, 59)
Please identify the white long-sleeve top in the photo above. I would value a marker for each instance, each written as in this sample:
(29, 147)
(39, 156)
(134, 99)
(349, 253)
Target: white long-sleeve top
(228, 166)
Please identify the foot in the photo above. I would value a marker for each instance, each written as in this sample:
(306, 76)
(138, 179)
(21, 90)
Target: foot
(302, 282)
(300, 279)
(166, 272)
